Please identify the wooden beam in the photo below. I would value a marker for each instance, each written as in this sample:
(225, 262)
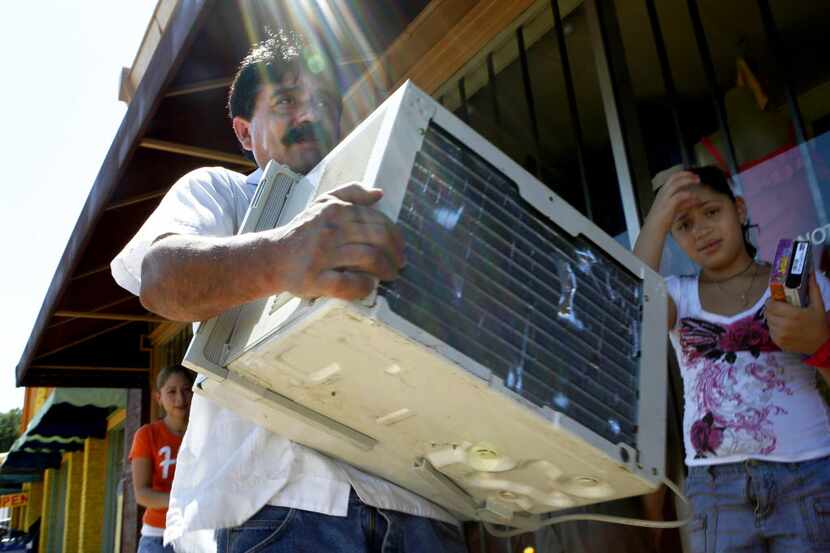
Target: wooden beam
(99, 308)
(195, 151)
(89, 368)
(165, 332)
(479, 27)
(84, 339)
(111, 316)
(435, 21)
(201, 86)
(95, 271)
(137, 199)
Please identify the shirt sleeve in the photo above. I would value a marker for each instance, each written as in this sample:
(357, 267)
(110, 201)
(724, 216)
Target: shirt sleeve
(142, 448)
(200, 203)
(675, 288)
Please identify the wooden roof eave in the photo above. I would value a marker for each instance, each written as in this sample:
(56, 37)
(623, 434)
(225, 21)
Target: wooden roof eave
(172, 47)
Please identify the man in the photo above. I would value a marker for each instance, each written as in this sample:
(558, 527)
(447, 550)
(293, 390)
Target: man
(262, 491)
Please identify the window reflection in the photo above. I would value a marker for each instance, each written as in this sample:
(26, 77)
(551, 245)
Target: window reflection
(784, 183)
(496, 101)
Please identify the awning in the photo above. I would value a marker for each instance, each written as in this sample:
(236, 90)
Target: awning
(66, 419)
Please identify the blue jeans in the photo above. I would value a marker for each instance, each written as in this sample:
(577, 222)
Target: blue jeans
(364, 530)
(148, 544)
(760, 506)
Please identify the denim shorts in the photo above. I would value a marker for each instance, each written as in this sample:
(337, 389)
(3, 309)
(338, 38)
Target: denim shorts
(364, 530)
(152, 544)
(760, 506)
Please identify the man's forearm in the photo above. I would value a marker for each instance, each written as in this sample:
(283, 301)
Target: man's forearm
(194, 278)
(338, 247)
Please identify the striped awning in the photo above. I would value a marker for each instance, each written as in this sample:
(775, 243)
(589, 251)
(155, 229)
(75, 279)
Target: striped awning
(66, 419)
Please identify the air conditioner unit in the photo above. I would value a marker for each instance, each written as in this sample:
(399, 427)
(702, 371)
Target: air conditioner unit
(516, 367)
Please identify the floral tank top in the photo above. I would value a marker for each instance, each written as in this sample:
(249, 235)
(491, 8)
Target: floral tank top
(744, 397)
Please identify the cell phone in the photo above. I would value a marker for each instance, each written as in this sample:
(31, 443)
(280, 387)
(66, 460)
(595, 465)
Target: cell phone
(797, 284)
(790, 275)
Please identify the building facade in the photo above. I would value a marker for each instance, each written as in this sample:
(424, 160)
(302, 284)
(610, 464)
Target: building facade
(597, 98)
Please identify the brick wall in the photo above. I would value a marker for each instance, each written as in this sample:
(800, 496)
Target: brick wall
(15, 523)
(35, 506)
(93, 490)
(49, 476)
(74, 487)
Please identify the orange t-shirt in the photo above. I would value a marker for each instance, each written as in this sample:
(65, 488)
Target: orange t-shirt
(155, 442)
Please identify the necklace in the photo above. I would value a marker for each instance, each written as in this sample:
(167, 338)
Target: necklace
(745, 296)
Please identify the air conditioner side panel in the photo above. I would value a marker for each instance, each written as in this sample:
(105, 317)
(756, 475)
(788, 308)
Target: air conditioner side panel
(416, 403)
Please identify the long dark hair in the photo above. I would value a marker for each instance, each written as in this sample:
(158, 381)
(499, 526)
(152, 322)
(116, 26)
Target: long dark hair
(165, 374)
(716, 179)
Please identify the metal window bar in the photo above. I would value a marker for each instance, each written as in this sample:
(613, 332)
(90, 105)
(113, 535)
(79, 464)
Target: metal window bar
(623, 145)
(531, 103)
(573, 108)
(389, 80)
(712, 80)
(494, 96)
(463, 111)
(782, 63)
(483, 536)
(686, 153)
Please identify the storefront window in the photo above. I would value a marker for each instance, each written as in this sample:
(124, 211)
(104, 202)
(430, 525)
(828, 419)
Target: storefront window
(519, 99)
(543, 106)
(751, 97)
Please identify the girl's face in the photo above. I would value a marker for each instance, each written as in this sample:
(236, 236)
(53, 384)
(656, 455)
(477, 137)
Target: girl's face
(175, 395)
(710, 231)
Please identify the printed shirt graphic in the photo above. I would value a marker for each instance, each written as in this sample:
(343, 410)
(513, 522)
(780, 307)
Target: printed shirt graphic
(155, 442)
(744, 397)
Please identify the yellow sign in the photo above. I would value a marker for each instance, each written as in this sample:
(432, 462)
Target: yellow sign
(14, 500)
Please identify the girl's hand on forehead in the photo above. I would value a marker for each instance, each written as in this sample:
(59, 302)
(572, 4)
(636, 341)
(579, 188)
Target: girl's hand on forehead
(677, 195)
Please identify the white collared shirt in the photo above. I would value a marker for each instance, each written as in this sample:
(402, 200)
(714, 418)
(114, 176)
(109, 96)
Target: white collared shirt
(228, 468)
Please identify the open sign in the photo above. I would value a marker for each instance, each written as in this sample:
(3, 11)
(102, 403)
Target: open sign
(14, 500)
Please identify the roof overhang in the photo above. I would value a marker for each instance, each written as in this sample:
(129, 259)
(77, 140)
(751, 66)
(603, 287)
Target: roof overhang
(83, 306)
(89, 331)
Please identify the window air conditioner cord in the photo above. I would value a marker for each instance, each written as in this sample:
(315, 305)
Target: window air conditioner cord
(494, 531)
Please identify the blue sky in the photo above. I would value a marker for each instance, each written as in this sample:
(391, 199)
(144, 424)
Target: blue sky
(61, 62)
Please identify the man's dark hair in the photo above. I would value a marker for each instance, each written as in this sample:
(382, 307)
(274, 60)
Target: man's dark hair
(283, 52)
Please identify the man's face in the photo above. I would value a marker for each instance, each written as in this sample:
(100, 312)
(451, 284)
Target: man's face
(295, 122)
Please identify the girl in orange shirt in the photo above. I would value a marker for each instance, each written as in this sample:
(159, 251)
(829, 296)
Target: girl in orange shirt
(154, 452)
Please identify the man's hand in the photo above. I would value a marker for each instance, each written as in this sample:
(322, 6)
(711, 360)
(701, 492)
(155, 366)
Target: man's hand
(799, 329)
(339, 246)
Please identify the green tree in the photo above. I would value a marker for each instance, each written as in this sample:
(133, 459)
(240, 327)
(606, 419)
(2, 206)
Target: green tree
(9, 428)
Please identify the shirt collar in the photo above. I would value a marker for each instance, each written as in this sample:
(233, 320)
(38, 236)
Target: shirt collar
(254, 177)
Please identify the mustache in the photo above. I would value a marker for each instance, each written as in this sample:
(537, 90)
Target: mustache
(304, 132)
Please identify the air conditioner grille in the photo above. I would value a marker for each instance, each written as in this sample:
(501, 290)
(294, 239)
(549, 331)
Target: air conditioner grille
(551, 314)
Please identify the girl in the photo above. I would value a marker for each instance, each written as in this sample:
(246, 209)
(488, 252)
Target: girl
(756, 430)
(154, 451)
